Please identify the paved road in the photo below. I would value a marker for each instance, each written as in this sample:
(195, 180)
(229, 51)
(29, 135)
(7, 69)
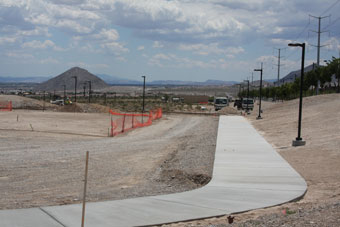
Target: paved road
(248, 174)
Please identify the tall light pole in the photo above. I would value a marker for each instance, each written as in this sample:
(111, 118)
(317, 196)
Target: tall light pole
(260, 70)
(143, 97)
(64, 92)
(247, 95)
(44, 102)
(75, 88)
(84, 87)
(239, 91)
(298, 141)
(89, 90)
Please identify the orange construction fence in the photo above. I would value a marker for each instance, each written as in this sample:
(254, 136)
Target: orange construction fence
(6, 106)
(126, 122)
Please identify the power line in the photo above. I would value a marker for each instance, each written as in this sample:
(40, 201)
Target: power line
(330, 7)
(304, 29)
(333, 22)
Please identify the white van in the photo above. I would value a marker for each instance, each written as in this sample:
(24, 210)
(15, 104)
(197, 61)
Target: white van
(247, 104)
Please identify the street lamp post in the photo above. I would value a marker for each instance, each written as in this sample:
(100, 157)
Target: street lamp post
(239, 91)
(44, 102)
(247, 95)
(75, 88)
(89, 90)
(298, 141)
(64, 92)
(84, 87)
(143, 97)
(260, 70)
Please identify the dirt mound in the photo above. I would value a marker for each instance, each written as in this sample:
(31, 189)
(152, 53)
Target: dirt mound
(84, 108)
(20, 102)
(228, 110)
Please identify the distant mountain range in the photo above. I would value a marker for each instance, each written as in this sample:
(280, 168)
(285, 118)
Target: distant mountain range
(296, 74)
(114, 80)
(23, 79)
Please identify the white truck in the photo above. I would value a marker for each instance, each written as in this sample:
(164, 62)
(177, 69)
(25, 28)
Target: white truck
(220, 102)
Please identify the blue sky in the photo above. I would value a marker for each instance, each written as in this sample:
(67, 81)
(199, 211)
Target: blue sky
(192, 40)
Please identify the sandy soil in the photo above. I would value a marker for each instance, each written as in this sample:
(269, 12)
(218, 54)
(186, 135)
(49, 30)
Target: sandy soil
(45, 166)
(318, 162)
(175, 154)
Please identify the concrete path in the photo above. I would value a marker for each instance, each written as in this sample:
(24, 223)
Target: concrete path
(248, 174)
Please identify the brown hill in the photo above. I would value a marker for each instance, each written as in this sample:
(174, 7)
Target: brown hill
(67, 78)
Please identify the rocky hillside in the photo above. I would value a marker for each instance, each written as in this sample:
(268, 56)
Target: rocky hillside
(67, 78)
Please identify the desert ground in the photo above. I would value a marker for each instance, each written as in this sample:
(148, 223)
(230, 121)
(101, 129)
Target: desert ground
(175, 154)
(42, 157)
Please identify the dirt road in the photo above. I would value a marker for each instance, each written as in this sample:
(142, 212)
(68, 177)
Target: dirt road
(39, 169)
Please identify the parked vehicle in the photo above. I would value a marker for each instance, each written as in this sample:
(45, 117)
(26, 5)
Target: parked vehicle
(220, 102)
(59, 102)
(238, 104)
(247, 104)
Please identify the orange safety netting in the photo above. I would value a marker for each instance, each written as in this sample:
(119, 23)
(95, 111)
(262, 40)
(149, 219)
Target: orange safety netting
(126, 122)
(6, 106)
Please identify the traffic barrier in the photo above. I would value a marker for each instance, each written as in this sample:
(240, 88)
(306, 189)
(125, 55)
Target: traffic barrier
(5, 105)
(126, 122)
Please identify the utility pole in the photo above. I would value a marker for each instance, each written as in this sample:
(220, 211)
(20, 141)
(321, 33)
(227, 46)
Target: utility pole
(89, 90)
(239, 91)
(278, 66)
(247, 96)
(44, 102)
(75, 88)
(143, 98)
(337, 72)
(318, 46)
(84, 87)
(64, 92)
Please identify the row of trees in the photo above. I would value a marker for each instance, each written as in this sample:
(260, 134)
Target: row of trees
(291, 90)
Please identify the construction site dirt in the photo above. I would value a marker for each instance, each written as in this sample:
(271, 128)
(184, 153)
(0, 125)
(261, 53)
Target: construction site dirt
(42, 157)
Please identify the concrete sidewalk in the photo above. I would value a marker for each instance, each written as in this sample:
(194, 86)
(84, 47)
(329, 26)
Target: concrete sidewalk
(248, 174)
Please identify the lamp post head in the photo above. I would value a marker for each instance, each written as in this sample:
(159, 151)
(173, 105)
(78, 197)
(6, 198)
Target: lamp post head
(296, 44)
(258, 70)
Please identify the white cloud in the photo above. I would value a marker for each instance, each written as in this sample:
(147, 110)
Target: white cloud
(332, 44)
(107, 35)
(212, 48)
(5, 40)
(115, 48)
(172, 60)
(36, 44)
(19, 55)
(157, 44)
(49, 60)
(140, 48)
(281, 42)
(74, 26)
(121, 58)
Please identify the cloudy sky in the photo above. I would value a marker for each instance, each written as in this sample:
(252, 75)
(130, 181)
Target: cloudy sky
(163, 39)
